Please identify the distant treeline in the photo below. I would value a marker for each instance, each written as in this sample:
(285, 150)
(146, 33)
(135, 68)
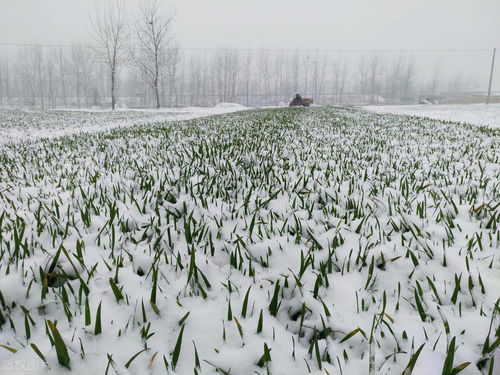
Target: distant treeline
(137, 63)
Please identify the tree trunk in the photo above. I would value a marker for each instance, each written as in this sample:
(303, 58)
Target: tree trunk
(63, 84)
(157, 94)
(78, 91)
(113, 100)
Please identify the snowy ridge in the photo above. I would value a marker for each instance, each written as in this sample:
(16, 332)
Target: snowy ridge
(16, 126)
(477, 114)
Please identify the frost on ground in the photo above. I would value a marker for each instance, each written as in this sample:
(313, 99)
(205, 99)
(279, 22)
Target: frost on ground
(280, 241)
(477, 114)
(18, 125)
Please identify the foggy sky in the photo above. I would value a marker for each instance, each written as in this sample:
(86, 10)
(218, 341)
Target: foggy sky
(294, 24)
(311, 24)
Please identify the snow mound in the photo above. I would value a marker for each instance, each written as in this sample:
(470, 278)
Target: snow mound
(121, 105)
(230, 105)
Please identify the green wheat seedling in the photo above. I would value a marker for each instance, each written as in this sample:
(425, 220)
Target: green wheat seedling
(326, 239)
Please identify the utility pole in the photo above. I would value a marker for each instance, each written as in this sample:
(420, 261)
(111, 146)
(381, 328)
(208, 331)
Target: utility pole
(491, 75)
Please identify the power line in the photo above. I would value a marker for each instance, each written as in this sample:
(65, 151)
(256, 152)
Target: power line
(338, 50)
(46, 45)
(456, 50)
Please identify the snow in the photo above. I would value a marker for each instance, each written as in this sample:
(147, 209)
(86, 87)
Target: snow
(477, 114)
(230, 106)
(17, 126)
(345, 213)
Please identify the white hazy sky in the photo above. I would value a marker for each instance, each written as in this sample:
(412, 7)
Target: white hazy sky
(311, 24)
(296, 24)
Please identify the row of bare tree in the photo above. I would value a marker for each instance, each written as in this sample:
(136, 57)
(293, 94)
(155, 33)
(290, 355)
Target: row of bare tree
(136, 62)
(145, 41)
(76, 77)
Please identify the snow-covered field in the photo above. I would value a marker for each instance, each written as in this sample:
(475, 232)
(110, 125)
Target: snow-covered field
(280, 241)
(477, 114)
(18, 125)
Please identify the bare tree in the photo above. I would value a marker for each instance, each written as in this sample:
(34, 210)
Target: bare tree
(225, 66)
(295, 68)
(319, 71)
(154, 35)
(457, 84)
(305, 68)
(7, 80)
(172, 74)
(76, 58)
(3, 78)
(393, 79)
(87, 66)
(82, 64)
(195, 79)
(374, 77)
(264, 75)
(247, 74)
(38, 55)
(339, 79)
(62, 76)
(363, 77)
(27, 65)
(409, 79)
(435, 80)
(109, 24)
(50, 77)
